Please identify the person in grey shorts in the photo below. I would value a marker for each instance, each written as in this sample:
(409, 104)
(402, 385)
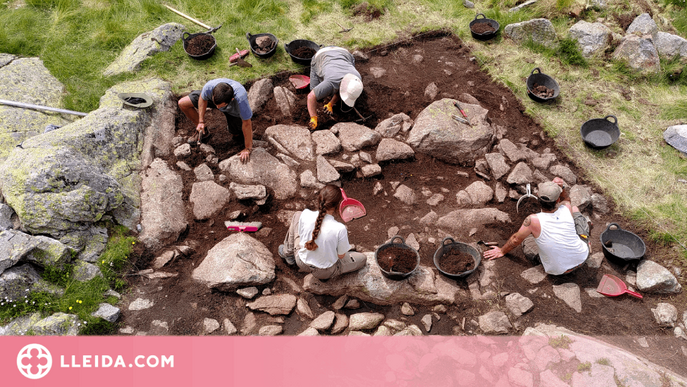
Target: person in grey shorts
(229, 97)
(332, 73)
(560, 231)
(318, 243)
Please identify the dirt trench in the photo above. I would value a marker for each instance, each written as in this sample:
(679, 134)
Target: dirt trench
(447, 62)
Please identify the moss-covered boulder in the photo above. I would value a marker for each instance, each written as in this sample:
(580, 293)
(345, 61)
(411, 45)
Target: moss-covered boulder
(65, 180)
(26, 80)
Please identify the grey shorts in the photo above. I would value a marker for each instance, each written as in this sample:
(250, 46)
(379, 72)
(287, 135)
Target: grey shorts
(581, 224)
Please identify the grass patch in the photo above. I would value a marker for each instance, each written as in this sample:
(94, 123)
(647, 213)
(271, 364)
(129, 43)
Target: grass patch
(79, 298)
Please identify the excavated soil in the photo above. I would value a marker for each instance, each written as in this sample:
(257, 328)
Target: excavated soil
(448, 63)
(199, 44)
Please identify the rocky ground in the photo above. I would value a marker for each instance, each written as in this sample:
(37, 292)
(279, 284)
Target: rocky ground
(421, 175)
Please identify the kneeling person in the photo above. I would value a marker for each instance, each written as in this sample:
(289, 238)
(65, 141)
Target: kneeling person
(560, 230)
(229, 97)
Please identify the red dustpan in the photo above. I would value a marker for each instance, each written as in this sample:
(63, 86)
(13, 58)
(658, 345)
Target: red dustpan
(350, 208)
(300, 81)
(611, 285)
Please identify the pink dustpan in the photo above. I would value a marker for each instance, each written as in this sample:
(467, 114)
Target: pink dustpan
(300, 81)
(611, 285)
(350, 208)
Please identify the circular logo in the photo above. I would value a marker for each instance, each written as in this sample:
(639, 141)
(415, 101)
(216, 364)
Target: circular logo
(34, 361)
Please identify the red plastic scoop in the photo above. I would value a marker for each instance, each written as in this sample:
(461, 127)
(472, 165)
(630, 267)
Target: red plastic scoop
(612, 286)
(350, 208)
(300, 81)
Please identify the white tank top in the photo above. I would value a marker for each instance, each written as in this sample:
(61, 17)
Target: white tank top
(560, 248)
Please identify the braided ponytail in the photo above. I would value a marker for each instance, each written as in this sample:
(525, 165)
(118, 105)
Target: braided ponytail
(330, 197)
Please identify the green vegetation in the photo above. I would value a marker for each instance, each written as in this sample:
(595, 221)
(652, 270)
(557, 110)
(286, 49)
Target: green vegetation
(603, 361)
(80, 298)
(560, 342)
(586, 366)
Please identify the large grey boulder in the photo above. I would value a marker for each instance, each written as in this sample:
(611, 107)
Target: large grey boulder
(494, 322)
(389, 149)
(463, 219)
(654, 278)
(354, 137)
(19, 281)
(480, 193)
(639, 52)
(670, 46)
(497, 165)
(162, 207)
(423, 287)
(14, 245)
(238, 260)
(265, 169)
(540, 31)
(437, 134)
(326, 173)
(570, 294)
(643, 25)
(676, 136)
(84, 271)
(59, 324)
(285, 99)
(592, 38)
(144, 46)
(20, 325)
(26, 80)
(49, 252)
(66, 180)
(327, 142)
(293, 140)
(259, 93)
(208, 198)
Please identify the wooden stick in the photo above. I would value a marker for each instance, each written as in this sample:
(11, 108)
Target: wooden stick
(188, 17)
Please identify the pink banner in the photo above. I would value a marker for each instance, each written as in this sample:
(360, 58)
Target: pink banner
(292, 361)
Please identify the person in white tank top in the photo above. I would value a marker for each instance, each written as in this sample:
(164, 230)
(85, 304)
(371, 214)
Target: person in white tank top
(560, 230)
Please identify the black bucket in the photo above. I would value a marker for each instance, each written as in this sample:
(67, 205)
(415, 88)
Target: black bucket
(186, 37)
(487, 35)
(253, 45)
(600, 133)
(463, 248)
(394, 275)
(295, 44)
(621, 245)
(541, 79)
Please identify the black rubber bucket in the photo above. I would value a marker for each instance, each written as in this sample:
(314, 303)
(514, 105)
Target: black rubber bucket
(463, 248)
(253, 45)
(541, 79)
(295, 44)
(621, 245)
(600, 133)
(186, 37)
(486, 35)
(394, 275)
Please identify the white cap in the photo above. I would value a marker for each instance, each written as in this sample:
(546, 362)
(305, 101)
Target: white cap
(351, 88)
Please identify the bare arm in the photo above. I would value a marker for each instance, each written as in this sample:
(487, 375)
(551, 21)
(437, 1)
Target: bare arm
(202, 105)
(247, 128)
(312, 104)
(514, 241)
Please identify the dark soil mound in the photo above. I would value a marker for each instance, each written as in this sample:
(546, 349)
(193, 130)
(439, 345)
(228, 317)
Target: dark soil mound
(482, 28)
(454, 261)
(542, 91)
(199, 44)
(303, 52)
(397, 259)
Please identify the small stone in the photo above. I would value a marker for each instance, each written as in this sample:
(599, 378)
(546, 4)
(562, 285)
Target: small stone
(407, 310)
(352, 304)
(427, 322)
(229, 328)
(340, 302)
(210, 325)
(248, 293)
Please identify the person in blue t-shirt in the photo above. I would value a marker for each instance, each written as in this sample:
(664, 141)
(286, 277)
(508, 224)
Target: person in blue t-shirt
(229, 97)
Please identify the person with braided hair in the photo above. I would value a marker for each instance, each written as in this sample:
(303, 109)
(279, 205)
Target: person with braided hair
(318, 243)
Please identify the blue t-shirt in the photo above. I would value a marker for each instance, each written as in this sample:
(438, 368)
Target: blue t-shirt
(239, 106)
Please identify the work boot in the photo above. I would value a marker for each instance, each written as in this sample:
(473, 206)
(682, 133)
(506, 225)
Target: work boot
(290, 259)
